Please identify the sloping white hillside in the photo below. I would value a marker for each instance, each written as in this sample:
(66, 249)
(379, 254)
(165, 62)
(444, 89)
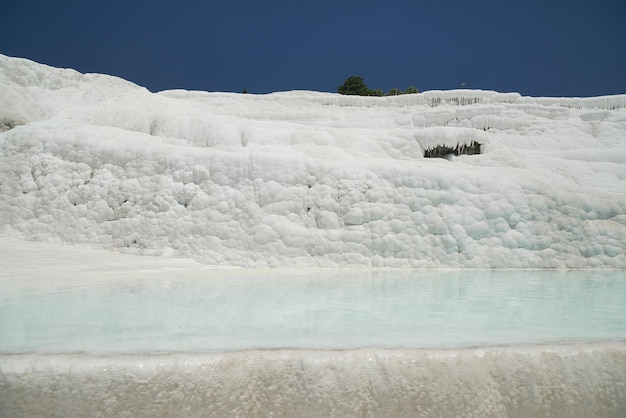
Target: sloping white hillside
(306, 178)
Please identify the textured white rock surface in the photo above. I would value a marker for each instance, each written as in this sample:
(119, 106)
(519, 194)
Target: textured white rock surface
(573, 381)
(312, 179)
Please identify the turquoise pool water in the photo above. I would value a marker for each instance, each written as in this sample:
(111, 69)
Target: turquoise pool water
(244, 309)
(315, 344)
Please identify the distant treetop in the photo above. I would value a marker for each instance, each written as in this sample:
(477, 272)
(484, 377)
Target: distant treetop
(354, 85)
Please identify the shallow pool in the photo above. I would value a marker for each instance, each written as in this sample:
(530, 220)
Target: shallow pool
(243, 309)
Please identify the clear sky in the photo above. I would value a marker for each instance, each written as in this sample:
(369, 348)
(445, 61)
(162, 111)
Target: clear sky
(535, 47)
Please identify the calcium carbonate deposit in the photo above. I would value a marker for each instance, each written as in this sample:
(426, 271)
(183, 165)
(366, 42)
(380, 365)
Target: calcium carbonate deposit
(312, 179)
(307, 179)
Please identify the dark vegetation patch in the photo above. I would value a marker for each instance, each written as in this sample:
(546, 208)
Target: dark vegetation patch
(355, 86)
(441, 151)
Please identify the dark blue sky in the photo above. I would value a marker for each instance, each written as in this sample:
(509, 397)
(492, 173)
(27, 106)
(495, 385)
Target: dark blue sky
(535, 47)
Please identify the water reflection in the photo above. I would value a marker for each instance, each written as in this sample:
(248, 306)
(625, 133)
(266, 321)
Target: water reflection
(219, 310)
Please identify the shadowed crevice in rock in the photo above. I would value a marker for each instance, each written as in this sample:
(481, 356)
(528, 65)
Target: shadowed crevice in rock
(8, 124)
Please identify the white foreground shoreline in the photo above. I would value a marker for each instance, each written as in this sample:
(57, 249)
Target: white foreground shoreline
(578, 380)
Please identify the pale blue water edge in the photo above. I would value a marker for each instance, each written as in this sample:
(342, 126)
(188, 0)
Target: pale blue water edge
(247, 309)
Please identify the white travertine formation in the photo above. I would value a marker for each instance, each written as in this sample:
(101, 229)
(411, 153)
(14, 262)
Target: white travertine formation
(312, 179)
(542, 381)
